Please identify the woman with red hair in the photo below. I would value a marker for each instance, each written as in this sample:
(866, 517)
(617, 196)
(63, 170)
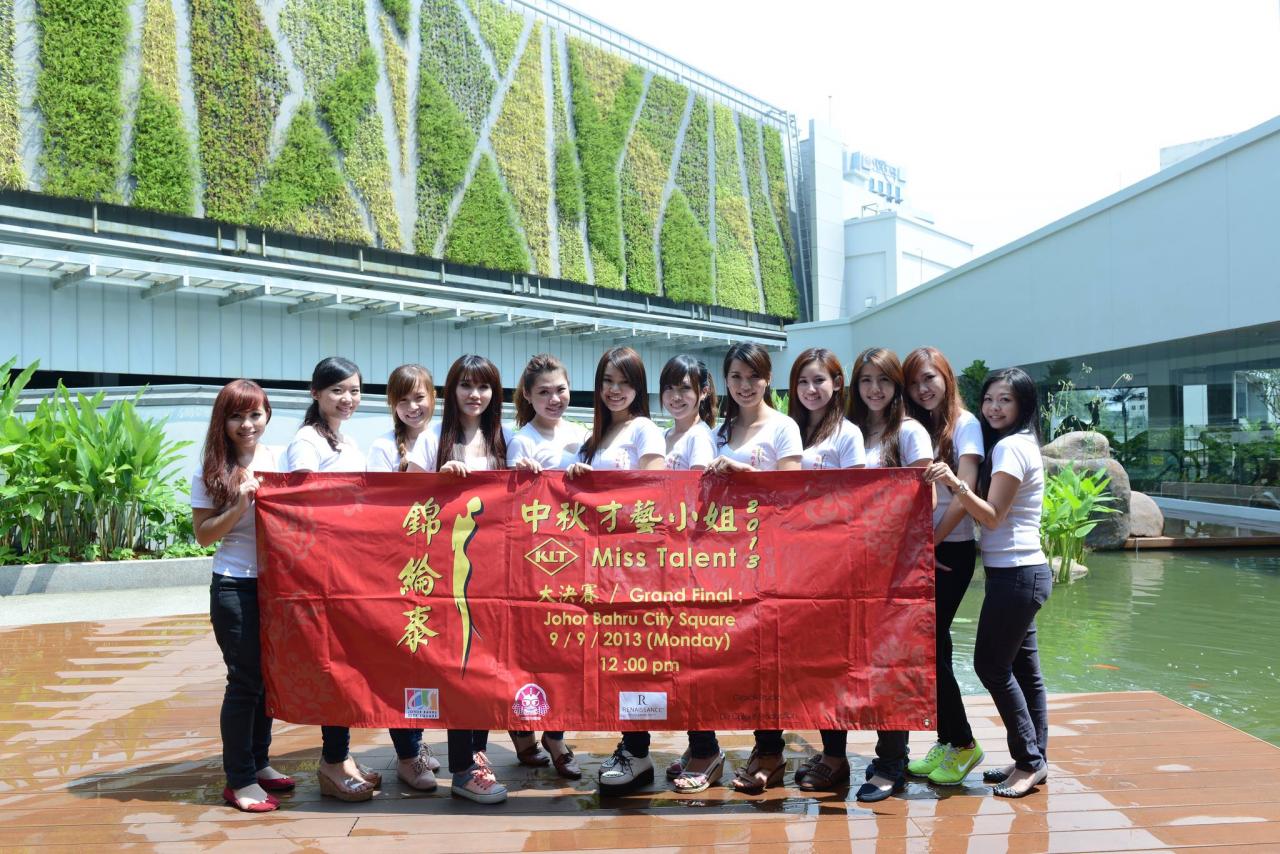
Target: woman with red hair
(222, 493)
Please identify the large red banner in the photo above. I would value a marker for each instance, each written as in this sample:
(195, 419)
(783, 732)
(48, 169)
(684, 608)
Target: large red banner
(619, 600)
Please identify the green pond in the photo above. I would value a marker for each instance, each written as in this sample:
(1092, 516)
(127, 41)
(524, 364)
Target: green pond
(1199, 626)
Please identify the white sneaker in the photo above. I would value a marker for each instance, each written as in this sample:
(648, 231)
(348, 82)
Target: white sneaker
(624, 771)
(478, 784)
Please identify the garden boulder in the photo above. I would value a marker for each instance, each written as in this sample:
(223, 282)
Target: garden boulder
(1089, 451)
(1145, 517)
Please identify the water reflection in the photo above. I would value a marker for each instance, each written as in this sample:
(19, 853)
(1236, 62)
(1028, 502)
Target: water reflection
(1198, 626)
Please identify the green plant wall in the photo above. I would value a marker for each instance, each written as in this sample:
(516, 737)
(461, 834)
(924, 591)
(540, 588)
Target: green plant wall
(10, 160)
(162, 166)
(515, 142)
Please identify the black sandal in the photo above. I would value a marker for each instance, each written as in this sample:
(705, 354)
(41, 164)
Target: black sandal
(747, 779)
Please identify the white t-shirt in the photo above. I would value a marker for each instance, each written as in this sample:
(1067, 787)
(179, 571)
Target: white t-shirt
(384, 454)
(237, 554)
(640, 438)
(477, 463)
(843, 449)
(558, 452)
(967, 441)
(309, 451)
(913, 444)
(697, 447)
(776, 439)
(1016, 541)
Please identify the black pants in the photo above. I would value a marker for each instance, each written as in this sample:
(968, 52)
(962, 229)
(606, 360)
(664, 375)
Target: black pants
(1007, 660)
(636, 743)
(953, 723)
(463, 745)
(246, 729)
(336, 743)
(770, 741)
(557, 735)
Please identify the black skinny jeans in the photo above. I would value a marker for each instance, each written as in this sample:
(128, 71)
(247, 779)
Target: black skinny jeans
(463, 745)
(336, 743)
(246, 729)
(1007, 660)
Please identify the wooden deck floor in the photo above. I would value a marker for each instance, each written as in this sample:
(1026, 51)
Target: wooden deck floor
(109, 737)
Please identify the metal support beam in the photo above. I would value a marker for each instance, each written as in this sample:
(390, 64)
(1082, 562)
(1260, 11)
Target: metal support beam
(244, 296)
(377, 310)
(313, 304)
(536, 326)
(432, 315)
(483, 320)
(84, 274)
(174, 285)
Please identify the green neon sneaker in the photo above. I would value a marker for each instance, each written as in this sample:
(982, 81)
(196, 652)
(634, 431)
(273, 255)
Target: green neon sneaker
(958, 763)
(935, 757)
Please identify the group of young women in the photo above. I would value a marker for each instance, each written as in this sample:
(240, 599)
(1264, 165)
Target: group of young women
(985, 469)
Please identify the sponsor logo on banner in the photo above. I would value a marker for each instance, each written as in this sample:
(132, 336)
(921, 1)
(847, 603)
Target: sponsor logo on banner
(642, 705)
(531, 702)
(422, 703)
(550, 556)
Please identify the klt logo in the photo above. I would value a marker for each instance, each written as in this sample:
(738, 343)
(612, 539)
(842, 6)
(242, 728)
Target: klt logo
(551, 556)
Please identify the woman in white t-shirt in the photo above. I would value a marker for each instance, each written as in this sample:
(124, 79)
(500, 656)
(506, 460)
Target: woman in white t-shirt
(1007, 504)
(470, 437)
(689, 395)
(623, 438)
(755, 437)
(222, 493)
(319, 446)
(411, 397)
(877, 406)
(544, 440)
(933, 398)
(817, 402)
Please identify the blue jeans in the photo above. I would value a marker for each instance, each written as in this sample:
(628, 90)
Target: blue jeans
(246, 729)
(336, 743)
(1007, 660)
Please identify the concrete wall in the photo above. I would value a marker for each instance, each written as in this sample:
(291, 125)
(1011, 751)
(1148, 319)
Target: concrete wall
(1190, 251)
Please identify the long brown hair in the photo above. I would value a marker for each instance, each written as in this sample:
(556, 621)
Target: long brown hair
(945, 416)
(829, 422)
(691, 368)
(755, 357)
(627, 361)
(478, 371)
(222, 472)
(859, 414)
(403, 381)
(543, 363)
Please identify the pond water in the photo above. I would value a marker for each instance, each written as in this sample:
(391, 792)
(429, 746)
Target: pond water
(1199, 626)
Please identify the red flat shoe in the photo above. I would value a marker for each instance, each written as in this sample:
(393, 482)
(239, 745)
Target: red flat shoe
(270, 804)
(278, 784)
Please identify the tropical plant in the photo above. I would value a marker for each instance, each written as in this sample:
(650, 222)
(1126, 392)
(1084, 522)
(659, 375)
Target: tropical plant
(82, 484)
(1073, 505)
(970, 384)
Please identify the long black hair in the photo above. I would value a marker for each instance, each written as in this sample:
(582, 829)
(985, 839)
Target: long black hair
(479, 371)
(691, 368)
(1028, 402)
(328, 372)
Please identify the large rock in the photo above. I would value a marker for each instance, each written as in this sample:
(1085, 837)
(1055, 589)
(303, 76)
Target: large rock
(1145, 517)
(1089, 451)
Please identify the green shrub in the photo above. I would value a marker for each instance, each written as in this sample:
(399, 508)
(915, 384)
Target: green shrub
(444, 149)
(162, 165)
(160, 48)
(693, 174)
(776, 171)
(11, 176)
(606, 90)
(239, 85)
(501, 29)
(398, 76)
(346, 99)
(568, 183)
(519, 140)
(775, 271)
(483, 233)
(79, 484)
(305, 193)
(735, 271)
(78, 93)
(366, 163)
(399, 12)
(644, 176)
(452, 56)
(686, 254)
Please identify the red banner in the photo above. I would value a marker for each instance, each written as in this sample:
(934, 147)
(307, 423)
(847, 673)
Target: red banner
(619, 600)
